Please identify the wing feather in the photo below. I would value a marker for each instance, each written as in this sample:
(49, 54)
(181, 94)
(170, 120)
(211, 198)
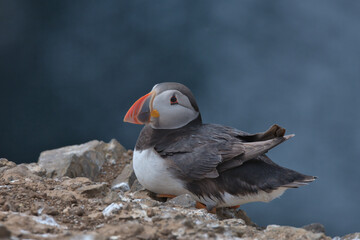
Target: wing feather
(205, 151)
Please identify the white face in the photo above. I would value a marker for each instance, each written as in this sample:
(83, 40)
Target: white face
(175, 110)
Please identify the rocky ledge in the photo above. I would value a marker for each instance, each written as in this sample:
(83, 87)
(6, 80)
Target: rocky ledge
(89, 191)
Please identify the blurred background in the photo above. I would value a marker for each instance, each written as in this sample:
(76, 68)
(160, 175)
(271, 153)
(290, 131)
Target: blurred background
(69, 71)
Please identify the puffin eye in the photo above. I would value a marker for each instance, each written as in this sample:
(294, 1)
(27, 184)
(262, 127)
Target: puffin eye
(173, 100)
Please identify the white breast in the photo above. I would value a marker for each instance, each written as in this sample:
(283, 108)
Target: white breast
(151, 171)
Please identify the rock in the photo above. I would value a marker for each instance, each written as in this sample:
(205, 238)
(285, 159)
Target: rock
(113, 150)
(111, 197)
(34, 206)
(112, 208)
(353, 236)
(147, 202)
(4, 232)
(96, 215)
(229, 213)
(88, 237)
(6, 163)
(65, 196)
(37, 208)
(79, 211)
(122, 182)
(147, 233)
(52, 211)
(280, 232)
(136, 186)
(35, 169)
(184, 200)
(123, 186)
(25, 226)
(126, 230)
(315, 228)
(141, 194)
(74, 183)
(19, 172)
(91, 191)
(3, 169)
(83, 160)
(10, 206)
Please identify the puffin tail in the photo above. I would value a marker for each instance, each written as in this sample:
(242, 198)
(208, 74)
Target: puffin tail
(300, 182)
(255, 149)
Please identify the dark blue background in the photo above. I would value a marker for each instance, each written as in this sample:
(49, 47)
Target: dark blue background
(69, 71)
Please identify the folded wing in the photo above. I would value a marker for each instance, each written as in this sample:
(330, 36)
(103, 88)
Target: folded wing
(211, 149)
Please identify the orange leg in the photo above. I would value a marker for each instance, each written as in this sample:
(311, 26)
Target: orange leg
(199, 205)
(213, 211)
(235, 207)
(165, 196)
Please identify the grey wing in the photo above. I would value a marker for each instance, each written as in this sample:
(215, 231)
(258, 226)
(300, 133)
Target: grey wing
(274, 131)
(191, 156)
(250, 151)
(198, 164)
(210, 150)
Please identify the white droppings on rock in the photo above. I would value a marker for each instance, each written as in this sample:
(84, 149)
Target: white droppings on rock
(179, 232)
(212, 225)
(143, 206)
(137, 213)
(167, 215)
(204, 236)
(48, 236)
(46, 220)
(198, 222)
(124, 199)
(39, 211)
(100, 226)
(234, 221)
(84, 237)
(22, 231)
(114, 237)
(270, 227)
(112, 208)
(123, 186)
(202, 213)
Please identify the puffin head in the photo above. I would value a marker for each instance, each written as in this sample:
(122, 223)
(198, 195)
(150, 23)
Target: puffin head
(169, 105)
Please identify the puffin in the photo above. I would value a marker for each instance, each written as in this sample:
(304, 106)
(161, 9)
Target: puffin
(219, 166)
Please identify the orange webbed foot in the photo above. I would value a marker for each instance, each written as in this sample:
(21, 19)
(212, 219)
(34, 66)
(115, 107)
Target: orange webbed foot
(200, 205)
(165, 196)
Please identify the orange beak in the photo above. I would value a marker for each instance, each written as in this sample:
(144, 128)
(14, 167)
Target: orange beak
(141, 111)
